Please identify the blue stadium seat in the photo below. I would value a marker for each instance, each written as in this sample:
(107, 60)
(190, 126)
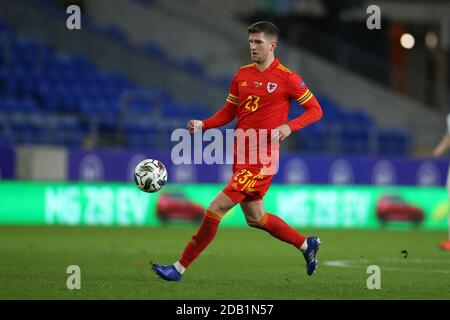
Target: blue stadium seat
(355, 132)
(117, 34)
(6, 142)
(155, 50)
(313, 139)
(193, 66)
(395, 142)
(4, 27)
(223, 81)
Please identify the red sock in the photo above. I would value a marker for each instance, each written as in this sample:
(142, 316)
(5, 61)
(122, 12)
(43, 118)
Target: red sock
(201, 239)
(280, 230)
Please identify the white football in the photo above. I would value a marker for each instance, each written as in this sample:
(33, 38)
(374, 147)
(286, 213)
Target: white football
(150, 175)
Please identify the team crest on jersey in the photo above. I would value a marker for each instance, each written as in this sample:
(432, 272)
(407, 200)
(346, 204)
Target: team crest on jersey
(271, 87)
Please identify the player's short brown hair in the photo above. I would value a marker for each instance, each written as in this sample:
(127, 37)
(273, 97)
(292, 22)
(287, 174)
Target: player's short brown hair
(264, 26)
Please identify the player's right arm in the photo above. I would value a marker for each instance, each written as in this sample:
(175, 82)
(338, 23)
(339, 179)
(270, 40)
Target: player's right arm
(225, 115)
(222, 117)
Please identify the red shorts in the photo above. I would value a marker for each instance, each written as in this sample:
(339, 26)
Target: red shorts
(248, 184)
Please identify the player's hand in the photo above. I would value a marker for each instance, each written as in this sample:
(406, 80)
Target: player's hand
(281, 132)
(195, 126)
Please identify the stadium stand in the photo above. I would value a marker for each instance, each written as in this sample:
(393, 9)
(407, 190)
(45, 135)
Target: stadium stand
(48, 96)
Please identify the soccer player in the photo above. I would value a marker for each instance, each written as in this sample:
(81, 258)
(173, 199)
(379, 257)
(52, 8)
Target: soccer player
(260, 96)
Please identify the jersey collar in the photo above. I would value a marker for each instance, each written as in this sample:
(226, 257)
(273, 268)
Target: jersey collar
(272, 66)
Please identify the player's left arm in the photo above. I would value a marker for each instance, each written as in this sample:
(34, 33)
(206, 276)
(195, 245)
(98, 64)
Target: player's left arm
(297, 90)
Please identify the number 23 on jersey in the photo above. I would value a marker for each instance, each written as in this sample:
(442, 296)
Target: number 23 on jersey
(252, 103)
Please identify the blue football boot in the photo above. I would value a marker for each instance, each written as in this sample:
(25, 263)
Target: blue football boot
(169, 272)
(310, 254)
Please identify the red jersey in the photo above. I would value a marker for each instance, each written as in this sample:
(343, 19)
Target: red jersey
(261, 100)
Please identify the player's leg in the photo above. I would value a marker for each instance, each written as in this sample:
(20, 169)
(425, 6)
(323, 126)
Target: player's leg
(200, 240)
(257, 217)
(208, 228)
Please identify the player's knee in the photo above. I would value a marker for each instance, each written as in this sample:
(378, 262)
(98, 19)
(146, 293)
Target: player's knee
(218, 209)
(252, 222)
(221, 205)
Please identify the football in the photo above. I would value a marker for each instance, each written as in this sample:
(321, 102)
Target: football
(150, 175)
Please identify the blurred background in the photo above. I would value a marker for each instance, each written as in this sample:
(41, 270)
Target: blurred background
(86, 105)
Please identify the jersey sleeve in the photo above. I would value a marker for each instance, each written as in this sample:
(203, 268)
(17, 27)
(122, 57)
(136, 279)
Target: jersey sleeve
(221, 117)
(233, 93)
(228, 111)
(298, 91)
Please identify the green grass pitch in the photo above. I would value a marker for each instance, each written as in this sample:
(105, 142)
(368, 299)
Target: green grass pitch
(240, 264)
